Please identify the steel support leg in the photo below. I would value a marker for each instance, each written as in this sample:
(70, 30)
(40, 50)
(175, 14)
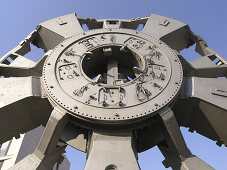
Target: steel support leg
(49, 151)
(111, 151)
(177, 155)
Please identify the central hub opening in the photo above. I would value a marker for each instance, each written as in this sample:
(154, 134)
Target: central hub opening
(112, 65)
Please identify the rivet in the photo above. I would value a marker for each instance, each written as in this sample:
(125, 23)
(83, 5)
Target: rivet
(117, 115)
(155, 85)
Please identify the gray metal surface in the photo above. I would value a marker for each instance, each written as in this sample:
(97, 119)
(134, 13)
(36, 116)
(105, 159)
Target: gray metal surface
(114, 91)
(30, 141)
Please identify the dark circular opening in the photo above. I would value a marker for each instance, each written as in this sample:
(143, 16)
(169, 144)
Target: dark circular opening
(96, 63)
(111, 167)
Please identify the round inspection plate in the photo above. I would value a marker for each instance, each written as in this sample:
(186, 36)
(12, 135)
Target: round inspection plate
(112, 75)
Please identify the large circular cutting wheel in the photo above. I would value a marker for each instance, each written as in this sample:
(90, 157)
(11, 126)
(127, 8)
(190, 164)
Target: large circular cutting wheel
(115, 90)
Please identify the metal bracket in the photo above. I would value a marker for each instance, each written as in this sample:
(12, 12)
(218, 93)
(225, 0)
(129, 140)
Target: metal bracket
(61, 22)
(218, 91)
(165, 22)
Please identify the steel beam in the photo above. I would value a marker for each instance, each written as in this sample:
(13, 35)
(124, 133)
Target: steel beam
(48, 151)
(54, 31)
(174, 148)
(204, 102)
(174, 33)
(112, 151)
(21, 105)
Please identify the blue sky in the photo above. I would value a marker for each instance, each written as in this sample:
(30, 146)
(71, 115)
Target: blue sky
(207, 18)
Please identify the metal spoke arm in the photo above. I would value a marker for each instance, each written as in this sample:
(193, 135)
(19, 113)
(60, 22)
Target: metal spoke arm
(202, 67)
(49, 150)
(202, 107)
(46, 36)
(203, 49)
(212, 64)
(179, 36)
(14, 63)
(54, 31)
(111, 150)
(174, 33)
(211, 72)
(22, 107)
(18, 70)
(176, 153)
(19, 51)
(211, 90)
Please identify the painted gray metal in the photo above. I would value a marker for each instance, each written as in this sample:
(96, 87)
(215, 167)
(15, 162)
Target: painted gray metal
(30, 141)
(114, 91)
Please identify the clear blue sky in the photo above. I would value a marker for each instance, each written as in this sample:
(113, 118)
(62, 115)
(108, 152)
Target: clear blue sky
(205, 17)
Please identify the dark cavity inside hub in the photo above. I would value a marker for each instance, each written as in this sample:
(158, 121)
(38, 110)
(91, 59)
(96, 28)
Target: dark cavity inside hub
(112, 65)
